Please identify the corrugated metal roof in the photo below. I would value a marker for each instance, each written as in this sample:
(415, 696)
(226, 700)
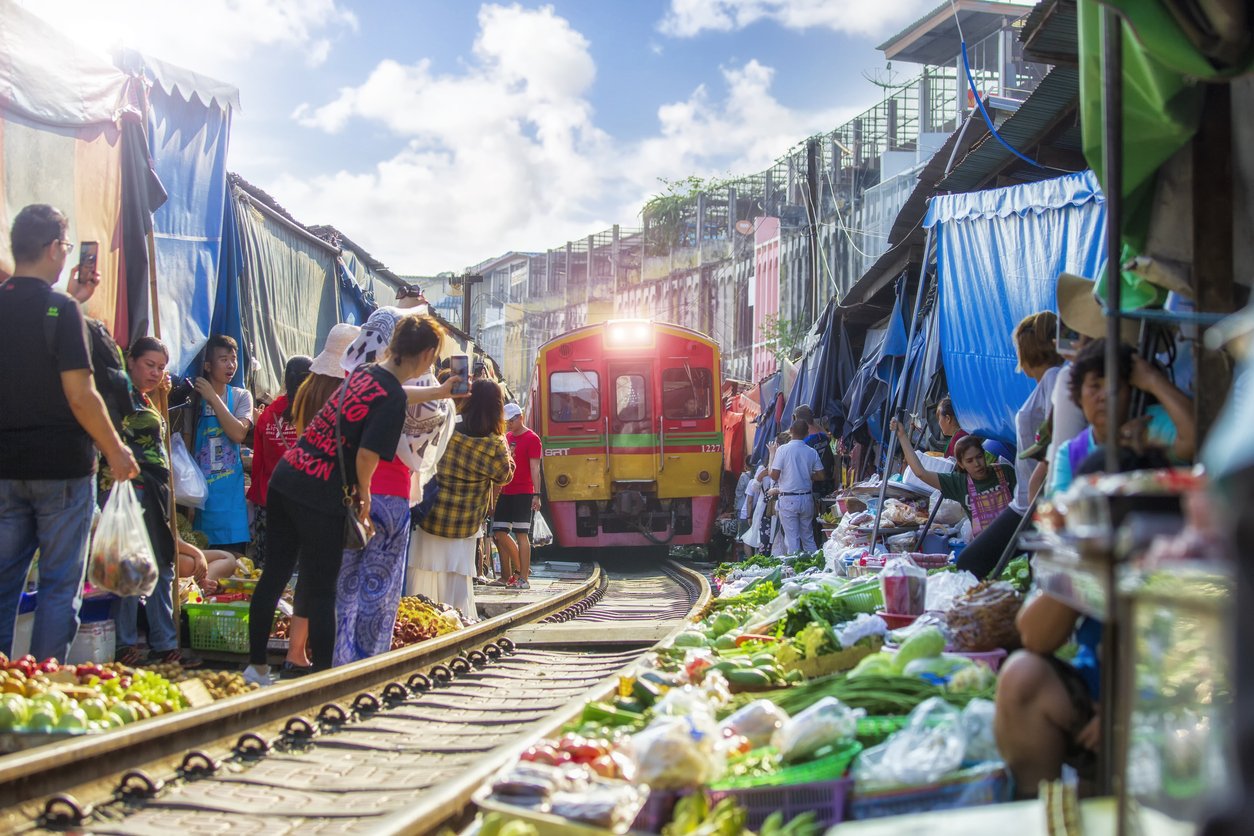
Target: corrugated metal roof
(1049, 34)
(1042, 112)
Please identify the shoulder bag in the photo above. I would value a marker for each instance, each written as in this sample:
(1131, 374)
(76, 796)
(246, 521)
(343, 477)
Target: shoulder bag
(356, 533)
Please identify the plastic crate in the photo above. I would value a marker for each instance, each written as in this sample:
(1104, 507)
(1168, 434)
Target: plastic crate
(826, 799)
(221, 627)
(985, 784)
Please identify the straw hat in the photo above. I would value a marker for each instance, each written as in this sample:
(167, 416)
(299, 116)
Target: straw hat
(328, 361)
(1080, 311)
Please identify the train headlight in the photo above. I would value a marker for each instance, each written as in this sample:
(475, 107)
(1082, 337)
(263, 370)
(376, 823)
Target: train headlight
(563, 480)
(629, 333)
(703, 476)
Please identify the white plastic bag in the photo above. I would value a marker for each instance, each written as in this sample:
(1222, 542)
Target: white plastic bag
(932, 745)
(673, 753)
(541, 535)
(757, 722)
(190, 487)
(121, 554)
(944, 587)
(828, 722)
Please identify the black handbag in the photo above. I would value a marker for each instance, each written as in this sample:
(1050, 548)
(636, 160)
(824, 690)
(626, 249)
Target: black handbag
(356, 533)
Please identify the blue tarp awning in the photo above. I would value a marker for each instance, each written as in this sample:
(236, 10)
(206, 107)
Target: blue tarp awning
(999, 253)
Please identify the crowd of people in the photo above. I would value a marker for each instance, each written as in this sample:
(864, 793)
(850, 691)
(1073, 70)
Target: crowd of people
(1047, 708)
(374, 473)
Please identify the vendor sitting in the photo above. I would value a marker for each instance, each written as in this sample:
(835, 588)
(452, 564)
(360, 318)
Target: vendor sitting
(1046, 711)
(947, 420)
(1167, 425)
(984, 490)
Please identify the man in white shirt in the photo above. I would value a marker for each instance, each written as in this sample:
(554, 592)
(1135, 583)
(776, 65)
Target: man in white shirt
(795, 469)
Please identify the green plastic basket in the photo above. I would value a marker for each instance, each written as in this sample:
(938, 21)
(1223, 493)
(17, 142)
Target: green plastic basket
(827, 768)
(865, 599)
(221, 627)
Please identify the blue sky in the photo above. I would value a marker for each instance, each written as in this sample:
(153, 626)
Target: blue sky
(438, 133)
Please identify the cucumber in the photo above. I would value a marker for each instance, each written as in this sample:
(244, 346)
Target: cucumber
(748, 676)
(763, 660)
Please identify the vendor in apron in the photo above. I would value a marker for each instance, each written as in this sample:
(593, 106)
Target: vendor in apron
(223, 419)
(984, 490)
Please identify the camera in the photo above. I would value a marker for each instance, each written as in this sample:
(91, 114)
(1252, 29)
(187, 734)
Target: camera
(181, 391)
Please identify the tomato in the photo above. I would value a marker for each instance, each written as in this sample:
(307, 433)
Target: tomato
(50, 665)
(605, 766)
(544, 754)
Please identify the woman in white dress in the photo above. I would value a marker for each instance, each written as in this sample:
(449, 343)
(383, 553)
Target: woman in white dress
(475, 463)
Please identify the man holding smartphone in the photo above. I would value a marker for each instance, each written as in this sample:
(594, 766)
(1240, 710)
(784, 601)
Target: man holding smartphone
(50, 415)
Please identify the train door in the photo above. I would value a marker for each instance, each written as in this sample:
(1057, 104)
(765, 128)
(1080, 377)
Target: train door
(691, 440)
(575, 440)
(632, 425)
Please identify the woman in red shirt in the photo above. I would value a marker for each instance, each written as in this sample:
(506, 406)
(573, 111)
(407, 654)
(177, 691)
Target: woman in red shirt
(274, 435)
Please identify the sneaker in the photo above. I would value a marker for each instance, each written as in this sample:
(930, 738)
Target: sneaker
(256, 677)
(482, 581)
(521, 583)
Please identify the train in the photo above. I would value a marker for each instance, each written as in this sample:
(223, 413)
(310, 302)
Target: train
(630, 416)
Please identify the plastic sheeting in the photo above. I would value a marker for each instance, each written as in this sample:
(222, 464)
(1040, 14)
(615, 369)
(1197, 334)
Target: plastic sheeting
(288, 294)
(999, 253)
(355, 308)
(188, 141)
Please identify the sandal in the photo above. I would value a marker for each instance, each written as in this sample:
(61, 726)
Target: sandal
(128, 655)
(174, 657)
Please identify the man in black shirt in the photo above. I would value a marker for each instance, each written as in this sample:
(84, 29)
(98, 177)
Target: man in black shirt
(50, 413)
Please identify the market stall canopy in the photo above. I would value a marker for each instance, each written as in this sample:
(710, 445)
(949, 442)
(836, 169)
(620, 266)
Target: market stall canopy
(999, 253)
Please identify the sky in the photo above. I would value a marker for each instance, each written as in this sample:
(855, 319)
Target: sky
(440, 133)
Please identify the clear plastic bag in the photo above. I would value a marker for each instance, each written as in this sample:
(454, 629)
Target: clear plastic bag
(944, 587)
(121, 555)
(758, 721)
(190, 487)
(826, 723)
(862, 626)
(675, 753)
(932, 745)
(977, 721)
(541, 535)
(983, 618)
(904, 585)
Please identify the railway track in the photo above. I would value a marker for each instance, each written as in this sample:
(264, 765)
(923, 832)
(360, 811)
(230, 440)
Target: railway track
(392, 744)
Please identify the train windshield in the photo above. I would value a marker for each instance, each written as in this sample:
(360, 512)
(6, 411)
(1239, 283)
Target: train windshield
(574, 396)
(687, 393)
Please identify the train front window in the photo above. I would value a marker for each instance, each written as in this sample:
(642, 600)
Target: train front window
(630, 398)
(574, 396)
(687, 393)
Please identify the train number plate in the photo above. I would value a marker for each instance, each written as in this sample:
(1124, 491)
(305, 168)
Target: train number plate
(711, 448)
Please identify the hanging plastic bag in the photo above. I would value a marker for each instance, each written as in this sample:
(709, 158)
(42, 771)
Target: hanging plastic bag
(121, 555)
(190, 487)
(541, 534)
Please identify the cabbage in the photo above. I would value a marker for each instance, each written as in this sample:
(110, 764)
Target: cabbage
(926, 643)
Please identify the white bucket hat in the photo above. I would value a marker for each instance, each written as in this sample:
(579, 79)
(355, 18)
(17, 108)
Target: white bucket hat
(329, 361)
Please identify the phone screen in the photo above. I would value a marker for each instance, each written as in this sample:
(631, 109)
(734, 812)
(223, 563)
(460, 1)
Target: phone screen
(459, 365)
(87, 259)
(1065, 340)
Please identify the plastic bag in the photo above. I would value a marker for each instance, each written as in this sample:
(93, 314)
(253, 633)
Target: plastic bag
(541, 534)
(862, 626)
(932, 745)
(977, 721)
(826, 723)
(944, 587)
(121, 555)
(190, 487)
(983, 618)
(904, 585)
(673, 753)
(758, 721)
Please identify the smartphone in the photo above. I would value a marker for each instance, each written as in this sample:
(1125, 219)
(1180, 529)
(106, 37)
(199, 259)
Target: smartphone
(459, 365)
(87, 252)
(1065, 340)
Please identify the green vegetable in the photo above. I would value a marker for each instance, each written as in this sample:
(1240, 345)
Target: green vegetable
(724, 570)
(725, 642)
(816, 639)
(691, 638)
(875, 693)
(1019, 573)
(645, 692)
(877, 664)
(752, 677)
(599, 712)
(723, 622)
(924, 644)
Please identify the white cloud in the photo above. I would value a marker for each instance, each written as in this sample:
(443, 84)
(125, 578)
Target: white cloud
(209, 36)
(504, 153)
(687, 18)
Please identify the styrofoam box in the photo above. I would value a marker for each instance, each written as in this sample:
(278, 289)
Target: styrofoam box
(94, 643)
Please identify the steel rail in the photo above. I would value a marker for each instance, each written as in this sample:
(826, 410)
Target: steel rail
(26, 778)
(449, 801)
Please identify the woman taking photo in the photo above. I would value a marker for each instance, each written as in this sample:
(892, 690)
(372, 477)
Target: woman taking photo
(144, 431)
(361, 424)
(442, 549)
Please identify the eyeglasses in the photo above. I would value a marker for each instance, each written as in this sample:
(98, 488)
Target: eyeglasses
(409, 292)
(65, 245)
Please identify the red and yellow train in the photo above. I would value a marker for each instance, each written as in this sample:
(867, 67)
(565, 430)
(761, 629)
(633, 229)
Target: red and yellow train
(629, 412)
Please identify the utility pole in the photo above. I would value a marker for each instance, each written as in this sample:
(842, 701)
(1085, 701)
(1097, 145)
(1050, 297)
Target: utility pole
(468, 280)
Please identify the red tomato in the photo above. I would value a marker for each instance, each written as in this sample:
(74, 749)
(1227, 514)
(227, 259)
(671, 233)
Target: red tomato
(543, 754)
(604, 766)
(50, 665)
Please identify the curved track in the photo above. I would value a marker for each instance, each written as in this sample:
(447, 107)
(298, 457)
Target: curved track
(402, 756)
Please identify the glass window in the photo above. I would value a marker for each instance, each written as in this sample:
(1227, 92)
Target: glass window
(687, 393)
(630, 398)
(574, 396)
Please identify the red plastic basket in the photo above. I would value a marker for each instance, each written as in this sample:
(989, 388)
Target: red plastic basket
(826, 799)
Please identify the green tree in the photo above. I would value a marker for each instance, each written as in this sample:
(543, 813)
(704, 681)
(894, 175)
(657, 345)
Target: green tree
(783, 337)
